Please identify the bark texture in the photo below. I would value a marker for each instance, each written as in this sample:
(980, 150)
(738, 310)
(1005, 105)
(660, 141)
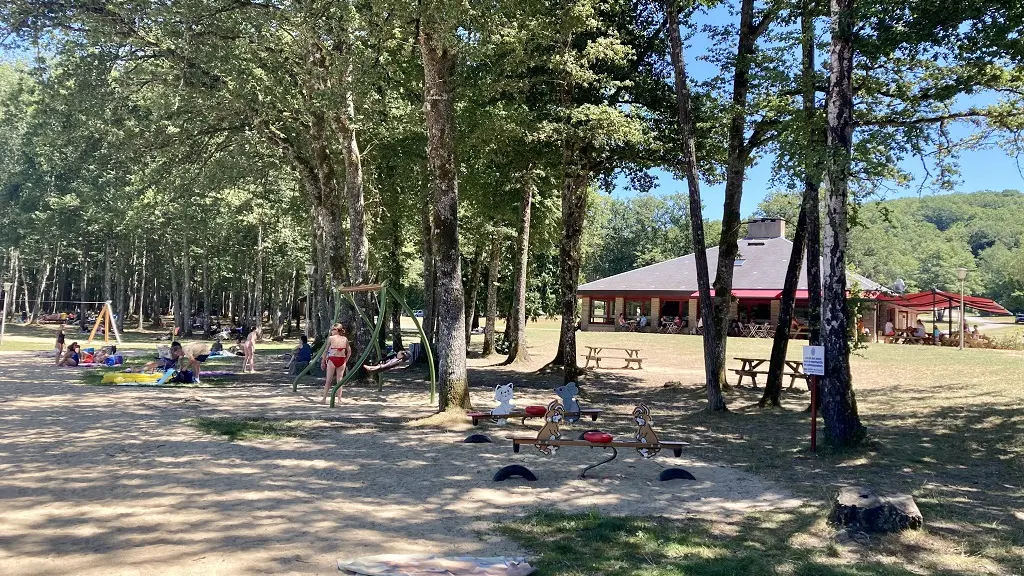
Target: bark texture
(739, 150)
(492, 296)
(515, 330)
(575, 193)
(803, 237)
(838, 404)
(476, 271)
(439, 108)
(716, 402)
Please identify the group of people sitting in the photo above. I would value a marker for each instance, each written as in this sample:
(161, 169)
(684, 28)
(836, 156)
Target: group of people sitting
(638, 324)
(74, 355)
(920, 331)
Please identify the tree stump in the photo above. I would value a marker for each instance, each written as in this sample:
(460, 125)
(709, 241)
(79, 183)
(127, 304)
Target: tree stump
(859, 508)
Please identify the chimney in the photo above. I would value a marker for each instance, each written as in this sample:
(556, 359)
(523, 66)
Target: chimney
(766, 228)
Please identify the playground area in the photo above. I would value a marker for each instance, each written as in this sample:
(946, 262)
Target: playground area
(253, 478)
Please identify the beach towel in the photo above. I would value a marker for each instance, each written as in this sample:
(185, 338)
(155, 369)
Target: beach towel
(430, 565)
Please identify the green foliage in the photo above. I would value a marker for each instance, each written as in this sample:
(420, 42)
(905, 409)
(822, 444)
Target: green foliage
(924, 240)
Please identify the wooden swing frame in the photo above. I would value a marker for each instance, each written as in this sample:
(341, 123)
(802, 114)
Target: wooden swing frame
(106, 317)
(383, 291)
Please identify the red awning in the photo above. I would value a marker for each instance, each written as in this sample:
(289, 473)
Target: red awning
(924, 301)
(802, 294)
(742, 293)
(766, 294)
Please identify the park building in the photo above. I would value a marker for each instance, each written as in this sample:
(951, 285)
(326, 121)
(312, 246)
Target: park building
(669, 289)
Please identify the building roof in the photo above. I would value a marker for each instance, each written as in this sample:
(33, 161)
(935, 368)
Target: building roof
(763, 267)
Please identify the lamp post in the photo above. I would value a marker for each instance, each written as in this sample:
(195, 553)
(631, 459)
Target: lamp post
(961, 275)
(3, 319)
(309, 291)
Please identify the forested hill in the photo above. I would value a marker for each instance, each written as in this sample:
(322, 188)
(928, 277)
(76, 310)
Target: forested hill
(924, 240)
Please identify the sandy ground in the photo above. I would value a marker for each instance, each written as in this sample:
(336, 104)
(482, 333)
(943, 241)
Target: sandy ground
(101, 480)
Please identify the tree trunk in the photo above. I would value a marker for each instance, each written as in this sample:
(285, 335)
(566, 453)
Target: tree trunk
(37, 310)
(358, 243)
(838, 404)
(83, 292)
(575, 192)
(186, 291)
(773, 387)
(207, 308)
(476, 270)
(175, 296)
(396, 328)
(275, 305)
(439, 106)
(492, 297)
(142, 290)
(121, 290)
(107, 257)
(429, 273)
(716, 402)
(808, 205)
(736, 165)
(515, 327)
(257, 300)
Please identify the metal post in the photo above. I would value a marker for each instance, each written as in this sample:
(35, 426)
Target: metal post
(3, 319)
(961, 274)
(814, 413)
(963, 325)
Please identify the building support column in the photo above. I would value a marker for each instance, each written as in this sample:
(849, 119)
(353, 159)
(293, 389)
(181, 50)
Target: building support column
(585, 313)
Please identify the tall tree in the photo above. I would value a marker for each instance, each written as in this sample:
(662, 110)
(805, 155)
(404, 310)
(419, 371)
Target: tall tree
(838, 403)
(436, 42)
(716, 402)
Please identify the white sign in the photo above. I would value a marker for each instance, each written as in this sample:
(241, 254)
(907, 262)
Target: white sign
(814, 360)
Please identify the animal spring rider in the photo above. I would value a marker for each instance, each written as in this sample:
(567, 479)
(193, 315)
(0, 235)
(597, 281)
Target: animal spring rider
(503, 394)
(645, 441)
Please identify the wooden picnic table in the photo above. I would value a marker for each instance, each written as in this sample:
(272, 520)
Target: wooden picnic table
(596, 353)
(750, 368)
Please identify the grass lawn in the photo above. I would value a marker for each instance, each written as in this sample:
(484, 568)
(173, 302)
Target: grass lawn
(945, 426)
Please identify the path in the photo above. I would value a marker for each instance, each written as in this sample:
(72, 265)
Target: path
(97, 480)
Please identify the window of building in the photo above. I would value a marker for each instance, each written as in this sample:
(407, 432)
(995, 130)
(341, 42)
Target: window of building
(635, 307)
(600, 312)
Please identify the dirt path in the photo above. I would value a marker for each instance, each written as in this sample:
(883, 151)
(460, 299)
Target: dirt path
(97, 480)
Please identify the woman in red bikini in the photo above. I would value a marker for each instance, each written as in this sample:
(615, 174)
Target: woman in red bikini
(333, 362)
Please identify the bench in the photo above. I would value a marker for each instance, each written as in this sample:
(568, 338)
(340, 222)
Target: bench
(592, 413)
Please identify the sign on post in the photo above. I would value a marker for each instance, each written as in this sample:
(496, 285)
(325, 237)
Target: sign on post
(814, 366)
(814, 360)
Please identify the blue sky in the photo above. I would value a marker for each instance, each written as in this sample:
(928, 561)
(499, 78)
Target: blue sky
(990, 169)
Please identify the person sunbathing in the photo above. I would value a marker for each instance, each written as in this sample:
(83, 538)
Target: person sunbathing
(390, 363)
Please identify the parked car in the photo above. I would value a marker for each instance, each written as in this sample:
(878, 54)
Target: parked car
(417, 313)
(1020, 318)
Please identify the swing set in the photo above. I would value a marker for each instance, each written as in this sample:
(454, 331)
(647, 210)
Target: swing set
(383, 292)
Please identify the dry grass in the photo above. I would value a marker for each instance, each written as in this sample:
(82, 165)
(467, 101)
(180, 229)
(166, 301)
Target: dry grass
(945, 426)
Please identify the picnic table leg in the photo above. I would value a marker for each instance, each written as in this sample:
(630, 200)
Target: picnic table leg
(615, 453)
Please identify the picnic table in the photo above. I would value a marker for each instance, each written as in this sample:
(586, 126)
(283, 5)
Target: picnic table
(750, 368)
(909, 336)
(597, 353)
